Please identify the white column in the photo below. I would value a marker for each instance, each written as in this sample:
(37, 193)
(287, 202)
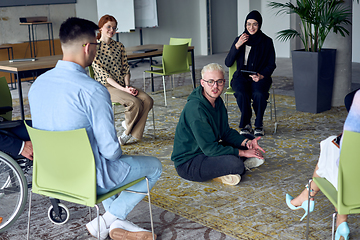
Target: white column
(343, 65)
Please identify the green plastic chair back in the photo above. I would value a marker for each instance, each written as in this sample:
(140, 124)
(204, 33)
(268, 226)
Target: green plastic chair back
(64, 165)
(174, 60)
(179, 41)
(232, 70)
(347, 198)
(5, 98)
(91, 71)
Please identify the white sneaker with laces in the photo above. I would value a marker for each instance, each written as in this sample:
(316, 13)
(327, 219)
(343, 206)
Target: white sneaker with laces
(124, 138)
(92, 227)
(123, 229)
(123, 124)
(253, 162)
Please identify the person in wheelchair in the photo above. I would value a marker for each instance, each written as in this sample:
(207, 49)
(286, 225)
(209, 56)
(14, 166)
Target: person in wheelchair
(14, 138)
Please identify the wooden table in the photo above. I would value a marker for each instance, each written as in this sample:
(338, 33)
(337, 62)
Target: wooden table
(9, 49)
(27, 69)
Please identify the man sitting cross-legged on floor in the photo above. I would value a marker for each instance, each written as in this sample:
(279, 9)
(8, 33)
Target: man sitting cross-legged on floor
(66, 98)
(205, 147)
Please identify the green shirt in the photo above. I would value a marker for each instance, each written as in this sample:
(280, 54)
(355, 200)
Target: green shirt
(200, 129)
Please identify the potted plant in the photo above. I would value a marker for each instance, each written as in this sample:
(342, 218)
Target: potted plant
(314, 66)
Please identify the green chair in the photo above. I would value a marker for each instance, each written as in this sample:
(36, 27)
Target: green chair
(64, 168)
(5, 99)
(347, 198)
(113, 104)
(179, 41)
(174, 61)
(229, 90)
(271, 100)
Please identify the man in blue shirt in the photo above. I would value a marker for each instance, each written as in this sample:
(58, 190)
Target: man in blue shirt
(65, 98)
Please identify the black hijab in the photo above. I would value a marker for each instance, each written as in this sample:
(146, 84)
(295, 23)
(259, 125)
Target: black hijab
(257, 37)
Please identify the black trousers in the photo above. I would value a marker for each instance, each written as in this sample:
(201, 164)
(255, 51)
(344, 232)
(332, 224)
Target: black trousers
(247, 90)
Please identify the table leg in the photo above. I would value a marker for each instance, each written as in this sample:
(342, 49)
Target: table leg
(30, 42)
(33, 40)
(20, 96)
(52, 39)
(48, 28)
(151, 76)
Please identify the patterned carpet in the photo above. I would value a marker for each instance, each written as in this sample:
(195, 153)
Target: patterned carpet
(255, 209)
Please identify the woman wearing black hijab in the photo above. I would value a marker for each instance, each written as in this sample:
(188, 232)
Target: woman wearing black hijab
(253, 51)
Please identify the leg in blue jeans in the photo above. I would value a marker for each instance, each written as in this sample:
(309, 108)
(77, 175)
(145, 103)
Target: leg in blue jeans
(140, 166)
(203, 168)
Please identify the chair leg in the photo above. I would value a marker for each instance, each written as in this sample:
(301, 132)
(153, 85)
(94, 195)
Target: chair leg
(226, 100)
(333, 226)
(29, 215)
(98, 220)
(90, 214)
(308, 215)
(276, 123)
(153, 118)
(144, 79)
(164, 90)
(151, 219)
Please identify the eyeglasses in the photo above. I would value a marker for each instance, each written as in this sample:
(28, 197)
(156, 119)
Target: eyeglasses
(252, 24)
(113, 28)
(211, 82)
(97, 44)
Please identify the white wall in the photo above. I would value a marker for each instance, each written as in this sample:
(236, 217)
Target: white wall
(271, 23)
(356, 32)
(185, 18)
(176, 19)
(12, 32)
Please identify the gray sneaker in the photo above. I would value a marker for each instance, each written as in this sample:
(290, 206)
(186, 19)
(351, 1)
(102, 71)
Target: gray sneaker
(259, 132)
(253, 162)
(247, 130)
(124, 138)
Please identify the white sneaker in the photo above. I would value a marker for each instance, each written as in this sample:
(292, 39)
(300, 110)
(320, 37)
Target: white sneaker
(231, 179)
(123, 229)
(124, 138)
(253, 162)
(123, 124)
(92, 227)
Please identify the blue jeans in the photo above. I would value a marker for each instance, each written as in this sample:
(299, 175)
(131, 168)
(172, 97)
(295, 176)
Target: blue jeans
(140, 166)
(203, 168)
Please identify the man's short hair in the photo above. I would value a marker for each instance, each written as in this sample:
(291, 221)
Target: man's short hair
(77, 28)
(212, 67)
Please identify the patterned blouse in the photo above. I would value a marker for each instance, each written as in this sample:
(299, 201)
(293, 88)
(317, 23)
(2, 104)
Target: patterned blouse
(111, 62)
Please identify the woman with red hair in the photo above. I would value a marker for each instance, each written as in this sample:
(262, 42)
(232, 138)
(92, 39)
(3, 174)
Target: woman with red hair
(111, 69)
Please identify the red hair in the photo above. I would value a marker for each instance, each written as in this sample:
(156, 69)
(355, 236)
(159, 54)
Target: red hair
(103, 20)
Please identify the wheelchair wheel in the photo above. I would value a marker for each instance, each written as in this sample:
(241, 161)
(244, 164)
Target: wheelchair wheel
(64, 214)
(13, 191)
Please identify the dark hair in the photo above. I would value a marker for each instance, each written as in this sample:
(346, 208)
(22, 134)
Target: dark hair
(76, 28)
(104, 19)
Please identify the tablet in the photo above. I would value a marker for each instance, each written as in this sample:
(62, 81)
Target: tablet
(247, 73)
(22, 60)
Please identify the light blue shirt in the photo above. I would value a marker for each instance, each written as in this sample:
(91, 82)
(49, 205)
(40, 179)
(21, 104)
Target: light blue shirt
(66, 98)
